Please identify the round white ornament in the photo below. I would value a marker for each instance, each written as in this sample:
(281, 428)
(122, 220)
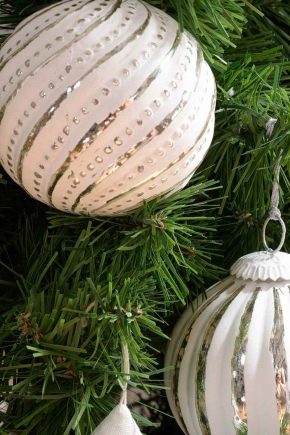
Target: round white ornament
(118, 422)
(231, 355)
(104, 104)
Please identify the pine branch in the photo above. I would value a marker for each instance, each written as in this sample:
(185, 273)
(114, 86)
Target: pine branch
(66, 342)
(277, 17)
(172, 238)
(68, 294)
(243, 156)
(79, 302)
(216, 24)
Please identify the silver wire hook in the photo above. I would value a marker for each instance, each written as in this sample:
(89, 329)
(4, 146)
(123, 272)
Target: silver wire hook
(275, 213)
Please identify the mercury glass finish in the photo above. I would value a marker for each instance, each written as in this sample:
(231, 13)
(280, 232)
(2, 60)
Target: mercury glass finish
(231, 354)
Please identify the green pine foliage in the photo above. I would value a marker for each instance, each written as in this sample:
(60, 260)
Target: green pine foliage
(74, 289)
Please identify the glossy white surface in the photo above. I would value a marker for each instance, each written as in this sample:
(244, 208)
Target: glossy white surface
(231, 355)
(104, 104)
(118, 422)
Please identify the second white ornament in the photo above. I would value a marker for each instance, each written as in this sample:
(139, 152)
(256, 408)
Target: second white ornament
(231, 356)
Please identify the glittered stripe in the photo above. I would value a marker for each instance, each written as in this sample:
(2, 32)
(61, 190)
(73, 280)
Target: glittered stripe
(277, 348)
(237, 363)
(38, 14)
(157, 131)
(201, 365)
(162, 171)
(97, 129)
(48, 115)
(177, 364)
(57, 53)
(123, 159)
(31, 18)
(48, 27)
(136, 187)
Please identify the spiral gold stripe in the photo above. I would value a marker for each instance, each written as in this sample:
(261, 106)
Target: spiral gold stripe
(150, 179)
(48, 115)
(181, 157)
(97, 129)
(59, 52)
(123, 159)
(158, 130)
(38, 14)
(48, 27)
(162, 171)
(180, 183)
(201, 365)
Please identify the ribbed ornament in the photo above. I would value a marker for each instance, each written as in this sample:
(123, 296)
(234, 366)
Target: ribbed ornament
(231, 353)
(104, 104)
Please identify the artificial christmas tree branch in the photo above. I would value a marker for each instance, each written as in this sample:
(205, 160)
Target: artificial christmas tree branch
(73, 288)
(70, 311)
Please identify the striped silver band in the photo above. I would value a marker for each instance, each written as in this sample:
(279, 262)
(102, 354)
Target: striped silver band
(150, 136)
(237, 363)
(97, 129)
(48, 115)
(48, 27)
(201, 365)
(123, 159)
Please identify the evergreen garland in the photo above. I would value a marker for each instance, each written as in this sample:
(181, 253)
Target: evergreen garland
(73, 288)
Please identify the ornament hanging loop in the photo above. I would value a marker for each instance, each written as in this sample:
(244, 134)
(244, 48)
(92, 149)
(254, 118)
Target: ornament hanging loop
(275, 213)
(283, 226)
(126, 370)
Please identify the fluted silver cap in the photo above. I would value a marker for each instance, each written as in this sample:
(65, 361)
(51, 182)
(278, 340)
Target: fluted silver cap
(263, 266)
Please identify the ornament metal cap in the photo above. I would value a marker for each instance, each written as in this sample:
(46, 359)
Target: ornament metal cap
(263, 266)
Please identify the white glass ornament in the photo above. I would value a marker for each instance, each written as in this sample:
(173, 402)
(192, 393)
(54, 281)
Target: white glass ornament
(231, 354)
(104, 104)
(118, 422)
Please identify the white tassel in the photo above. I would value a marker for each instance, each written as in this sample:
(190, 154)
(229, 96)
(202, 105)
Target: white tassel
(120, 420)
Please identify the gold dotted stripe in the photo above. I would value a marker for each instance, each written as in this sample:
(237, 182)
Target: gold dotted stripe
(125, 157)
(106, 123)
(48, 27)
(31, 18)
(48, 115)
(59, 52)
(159, 129)
(179, 159)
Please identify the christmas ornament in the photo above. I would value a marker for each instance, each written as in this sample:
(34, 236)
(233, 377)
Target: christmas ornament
(104, 104)
(231, 356)
(120, 420)
(231, 353)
